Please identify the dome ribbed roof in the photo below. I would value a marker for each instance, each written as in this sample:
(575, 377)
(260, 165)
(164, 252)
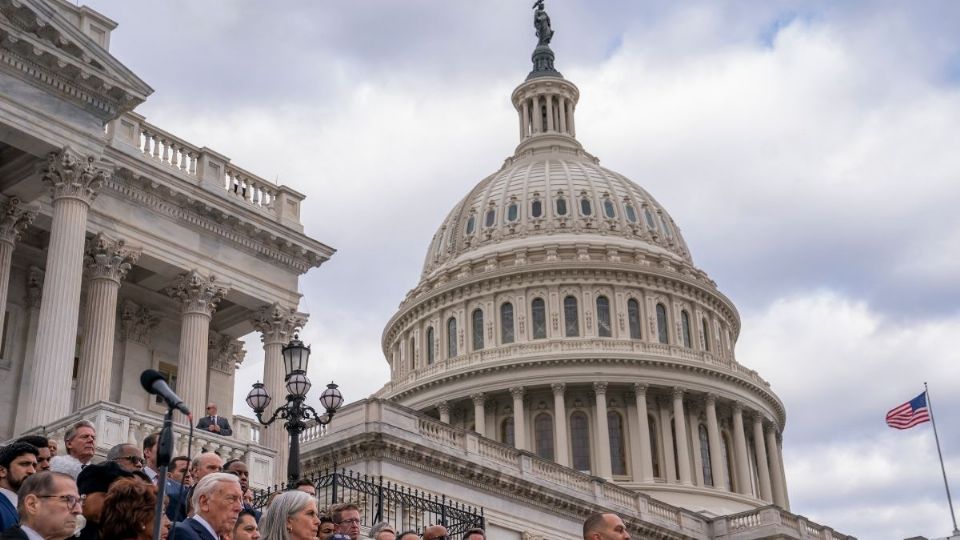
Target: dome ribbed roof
(520, 205)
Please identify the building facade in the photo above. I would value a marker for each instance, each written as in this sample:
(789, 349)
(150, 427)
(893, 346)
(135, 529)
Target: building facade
(562, 353)
(124, 248)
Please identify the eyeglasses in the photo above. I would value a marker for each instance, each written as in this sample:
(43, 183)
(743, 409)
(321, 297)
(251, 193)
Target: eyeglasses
(136, 460)
(351, 521)
(71, 500)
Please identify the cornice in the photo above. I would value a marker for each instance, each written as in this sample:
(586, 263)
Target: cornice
(245, 234)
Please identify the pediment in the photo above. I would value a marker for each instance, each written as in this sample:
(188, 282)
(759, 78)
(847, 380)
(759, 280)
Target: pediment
(40, 45)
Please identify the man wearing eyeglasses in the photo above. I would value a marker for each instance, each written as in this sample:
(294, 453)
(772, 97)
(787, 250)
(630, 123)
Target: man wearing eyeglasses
(17, 462)
(435, 532)
(127, 456)
(214, 423)
(49, 505)
(347, 518)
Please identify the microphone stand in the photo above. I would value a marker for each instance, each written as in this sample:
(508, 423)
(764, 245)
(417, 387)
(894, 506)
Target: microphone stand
(164, 454)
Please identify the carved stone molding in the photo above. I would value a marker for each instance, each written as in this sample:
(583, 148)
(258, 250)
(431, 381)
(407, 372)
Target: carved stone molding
(277, 323)
(443, 407)
(75, 176)
(516, 392)
(558, 388)
(225, 353)
(600, 387)
(137, 323)
(108, 259)
(14, 219)
(34, 287)
(197, 293)
(479, 399)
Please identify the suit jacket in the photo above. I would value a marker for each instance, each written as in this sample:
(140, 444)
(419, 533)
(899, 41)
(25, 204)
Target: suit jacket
(14, 533)
(189, 529)
(8, 513)
(205, 422)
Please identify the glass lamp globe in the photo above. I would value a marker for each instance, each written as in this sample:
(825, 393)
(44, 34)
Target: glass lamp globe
(331, 399)
(258, 399)
(298, 384)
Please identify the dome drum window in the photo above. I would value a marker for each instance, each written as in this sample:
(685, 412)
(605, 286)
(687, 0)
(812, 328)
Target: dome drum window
(536, 209)
(561, 206)
(513, 212)
(630, 212)
(586, 207)
(608, 211)
(471, 225)
(490, 218)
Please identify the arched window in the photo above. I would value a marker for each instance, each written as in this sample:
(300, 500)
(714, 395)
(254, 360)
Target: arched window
(561, 206)
(585, 207)
(538, 312)
(536, 208)
(705, 328)
(471, 224)
(662, 323)
(506, 431)
(543, 435)
(631, 213)
(430, 345)
(513, 212)
(580, 441)
(477, 329)
(654, 446)
(506, 323)
(633, 317)
(571, 321)
(685, 328)
(705, 456)
(451, 337)
(490, 218)
(603, 317)
(618, 447)
(608, 209)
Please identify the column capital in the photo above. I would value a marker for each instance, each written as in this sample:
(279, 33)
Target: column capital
(277, 323)
(479, 399)
(137, 322)
(443, 407)
(640, 389)
(600, 387)
(197, 293)
(105, 258)
(678, 392)
(516, 392)
(72, 175)
(227, 353)
(738, 407)
(558, 388)
(711, 399)
(14, 218)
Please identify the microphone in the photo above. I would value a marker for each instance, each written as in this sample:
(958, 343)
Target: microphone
(153, 382)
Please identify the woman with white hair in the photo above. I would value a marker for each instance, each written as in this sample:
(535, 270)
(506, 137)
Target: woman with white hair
(292, 515)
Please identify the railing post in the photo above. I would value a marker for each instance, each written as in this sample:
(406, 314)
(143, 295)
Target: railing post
(443, 510)
(333, 485)
(380, 501)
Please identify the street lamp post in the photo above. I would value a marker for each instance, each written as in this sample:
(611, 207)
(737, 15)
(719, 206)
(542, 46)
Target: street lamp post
(296, 413)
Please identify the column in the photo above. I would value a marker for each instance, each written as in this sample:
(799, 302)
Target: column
(740, 451)
(14, 218)
(107, 262)
(680, 426)
(525, 120)
(549, 100)
(717, 465)
(519, 419)
(277, 325)
(603, 432)
(693, 436)
(763, 470)
(444, 409)
(537, 115)
(198, 296)
(479, 413)
(563, 114)
(74, 181)
(776, 472)
(646, 454)
(561, 438)
(666, 436)
(34, 295)
(570, 124)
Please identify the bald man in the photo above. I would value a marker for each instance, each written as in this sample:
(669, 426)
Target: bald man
(604, 526)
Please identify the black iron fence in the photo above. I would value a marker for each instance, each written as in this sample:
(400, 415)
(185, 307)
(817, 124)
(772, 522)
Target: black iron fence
(403, 507)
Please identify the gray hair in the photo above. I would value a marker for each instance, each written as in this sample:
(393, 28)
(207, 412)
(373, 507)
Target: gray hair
(208, 484)
(40, 483)
(114, 453)
(379, 528)
(273, 524)
(72, 432)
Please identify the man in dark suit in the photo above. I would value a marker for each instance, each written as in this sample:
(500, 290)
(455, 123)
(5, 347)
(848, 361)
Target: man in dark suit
(217, 499)
(49, 505)
(214, 423)
(17, 462)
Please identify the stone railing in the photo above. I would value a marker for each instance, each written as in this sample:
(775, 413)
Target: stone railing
(385, 417)
(247, 429)
(572, 346)
(117, 424)
(133, 135)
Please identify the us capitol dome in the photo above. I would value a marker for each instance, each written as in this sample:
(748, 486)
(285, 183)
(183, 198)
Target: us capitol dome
(560, 312)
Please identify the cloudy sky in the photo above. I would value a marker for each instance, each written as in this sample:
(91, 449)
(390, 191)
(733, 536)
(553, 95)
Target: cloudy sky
(810, 151)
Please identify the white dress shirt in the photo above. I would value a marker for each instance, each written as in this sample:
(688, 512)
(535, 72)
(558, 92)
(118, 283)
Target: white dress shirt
(206, 525)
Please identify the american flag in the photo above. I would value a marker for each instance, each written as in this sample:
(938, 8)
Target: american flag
(910, 413)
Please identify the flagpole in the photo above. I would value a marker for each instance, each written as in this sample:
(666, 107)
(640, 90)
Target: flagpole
(939, 453)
